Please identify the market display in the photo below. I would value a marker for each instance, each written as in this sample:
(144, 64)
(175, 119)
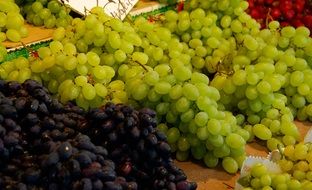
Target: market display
(218, 74)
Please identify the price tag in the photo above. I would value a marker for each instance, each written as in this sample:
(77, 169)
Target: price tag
(115, 8)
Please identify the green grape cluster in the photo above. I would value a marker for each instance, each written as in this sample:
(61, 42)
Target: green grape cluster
(99, 59)
(261, 74)
(16, 70)
(47, 13)
(12, 26)
(260, 178)
(169, 83)
(81, 61)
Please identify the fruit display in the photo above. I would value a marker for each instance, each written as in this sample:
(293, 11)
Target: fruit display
(47, 145)
(215, 77)
(288, 12)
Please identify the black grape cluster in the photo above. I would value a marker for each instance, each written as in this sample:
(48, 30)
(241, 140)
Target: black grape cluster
(47, 145)
(138, 149)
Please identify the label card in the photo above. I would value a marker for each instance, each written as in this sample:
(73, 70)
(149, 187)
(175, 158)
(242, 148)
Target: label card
(115, 8)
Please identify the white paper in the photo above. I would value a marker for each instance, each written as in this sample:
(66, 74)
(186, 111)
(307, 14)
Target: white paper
(115, 8)
(308, 137)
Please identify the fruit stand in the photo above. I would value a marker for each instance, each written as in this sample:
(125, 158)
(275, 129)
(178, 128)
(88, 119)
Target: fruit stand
(175, 95)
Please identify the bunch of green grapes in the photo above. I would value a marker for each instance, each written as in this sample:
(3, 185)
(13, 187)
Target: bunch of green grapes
(11, 22)
(48, 13)
(100, 59)
(261, 74)
(271, 88)
(260, 178)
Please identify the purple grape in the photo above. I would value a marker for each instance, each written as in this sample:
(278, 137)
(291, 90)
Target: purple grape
(97, 185)
(34, 106)
(52, 159)
(8, 111)
(83, 159)
(86, 184)
(112, 186)
(65, 150)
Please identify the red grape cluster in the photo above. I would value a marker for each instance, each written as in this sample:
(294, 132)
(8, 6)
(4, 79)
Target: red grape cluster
(288, 12)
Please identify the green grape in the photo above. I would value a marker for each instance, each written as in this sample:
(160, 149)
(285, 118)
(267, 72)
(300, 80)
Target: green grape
(88, 91)
(173, 134)
(182, 155)
(296, 78)
(210, 161)
(182, 104)
(264, 87)
(70, 63)
(250, 43)
(258, 170)
(214, 126)
(140, 92)
(213, 42)
(162, 87)
(93, 59)
(236, 26)
(262, 132)
(13, 35)
(201, 119)
(234, 140)
(183, 144)
(230, 165)
(162, 108)
(190, 91)
(140, 57)
(182, 73)
(101, 90)
(199, 151)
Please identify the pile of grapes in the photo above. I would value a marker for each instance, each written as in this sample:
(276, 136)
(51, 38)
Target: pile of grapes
(47, 145)
(215, 79)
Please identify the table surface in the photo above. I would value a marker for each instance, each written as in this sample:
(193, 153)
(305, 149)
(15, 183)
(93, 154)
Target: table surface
(218, 179)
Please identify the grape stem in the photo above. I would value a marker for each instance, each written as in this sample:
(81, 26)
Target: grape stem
(268, 18)
(228, 186)
(140, 65)
(31, 51)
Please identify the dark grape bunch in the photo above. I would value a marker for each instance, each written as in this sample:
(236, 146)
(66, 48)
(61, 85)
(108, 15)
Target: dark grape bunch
(47, 145)
(140, 151)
